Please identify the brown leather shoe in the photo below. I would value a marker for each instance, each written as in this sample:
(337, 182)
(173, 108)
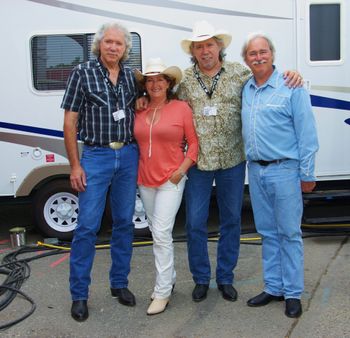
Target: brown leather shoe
(262, 299)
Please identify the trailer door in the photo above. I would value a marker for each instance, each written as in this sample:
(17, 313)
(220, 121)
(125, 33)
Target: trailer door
(323, 60)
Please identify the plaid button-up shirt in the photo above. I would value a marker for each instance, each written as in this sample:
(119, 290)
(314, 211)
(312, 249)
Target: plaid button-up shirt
(93, 96)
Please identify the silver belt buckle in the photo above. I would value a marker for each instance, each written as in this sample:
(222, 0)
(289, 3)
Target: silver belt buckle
(116, 145)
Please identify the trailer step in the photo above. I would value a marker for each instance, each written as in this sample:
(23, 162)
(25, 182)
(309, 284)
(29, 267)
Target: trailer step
(326, 194)
(334, 221)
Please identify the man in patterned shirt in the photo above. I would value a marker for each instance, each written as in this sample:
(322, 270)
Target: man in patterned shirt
(212, 87)
(99, 104)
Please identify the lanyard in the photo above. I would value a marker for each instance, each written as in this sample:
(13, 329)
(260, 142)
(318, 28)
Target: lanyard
(213, 85)
(108, 82)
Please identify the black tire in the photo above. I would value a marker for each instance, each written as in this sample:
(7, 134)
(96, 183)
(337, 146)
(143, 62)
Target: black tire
(56, 209)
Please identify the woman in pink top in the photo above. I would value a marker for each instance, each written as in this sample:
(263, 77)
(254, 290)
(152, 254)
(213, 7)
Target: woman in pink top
(160, 130)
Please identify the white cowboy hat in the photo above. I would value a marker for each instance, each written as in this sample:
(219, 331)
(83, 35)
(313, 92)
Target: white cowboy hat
(156, 66)
(203, 30)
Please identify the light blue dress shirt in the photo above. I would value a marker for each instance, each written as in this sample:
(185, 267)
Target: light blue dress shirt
(278, 123)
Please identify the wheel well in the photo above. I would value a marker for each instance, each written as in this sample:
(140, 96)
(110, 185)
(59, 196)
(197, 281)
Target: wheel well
(48, 180)
(41, 176)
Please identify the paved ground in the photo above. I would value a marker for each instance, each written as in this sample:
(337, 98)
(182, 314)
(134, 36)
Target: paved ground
(326, 301)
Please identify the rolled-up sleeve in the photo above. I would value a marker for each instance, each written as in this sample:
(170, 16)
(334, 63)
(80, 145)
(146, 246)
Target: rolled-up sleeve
(73, 97)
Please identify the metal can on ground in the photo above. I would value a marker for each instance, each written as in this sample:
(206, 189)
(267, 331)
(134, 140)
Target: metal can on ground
(17, 237)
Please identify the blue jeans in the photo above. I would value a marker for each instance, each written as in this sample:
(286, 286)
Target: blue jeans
(229, 194)
(104, 168)
(276, 198)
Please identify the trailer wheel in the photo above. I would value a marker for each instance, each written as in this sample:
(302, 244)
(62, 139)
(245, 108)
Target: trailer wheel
(56, 208)
(139, 218)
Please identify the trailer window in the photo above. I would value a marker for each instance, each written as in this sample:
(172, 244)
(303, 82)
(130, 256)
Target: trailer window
(324, 32)
(54, 56)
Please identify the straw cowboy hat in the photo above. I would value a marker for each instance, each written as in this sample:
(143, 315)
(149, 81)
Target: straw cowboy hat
(203, 30)
(155, 66)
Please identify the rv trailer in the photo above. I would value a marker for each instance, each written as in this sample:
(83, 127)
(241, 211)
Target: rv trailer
(45, 39)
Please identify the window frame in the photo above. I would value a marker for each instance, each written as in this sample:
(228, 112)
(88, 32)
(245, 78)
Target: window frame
(342, 33)
(85, 36)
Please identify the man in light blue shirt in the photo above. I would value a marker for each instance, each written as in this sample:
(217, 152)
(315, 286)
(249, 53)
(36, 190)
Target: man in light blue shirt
(280, 141)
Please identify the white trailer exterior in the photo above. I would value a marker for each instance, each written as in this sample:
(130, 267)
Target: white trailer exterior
(43, 39)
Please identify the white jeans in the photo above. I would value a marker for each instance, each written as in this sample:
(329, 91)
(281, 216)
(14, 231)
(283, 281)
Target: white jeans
(161, 205)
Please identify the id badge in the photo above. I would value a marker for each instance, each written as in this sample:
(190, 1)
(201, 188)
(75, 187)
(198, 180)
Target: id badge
(210, 111)
(118, 115)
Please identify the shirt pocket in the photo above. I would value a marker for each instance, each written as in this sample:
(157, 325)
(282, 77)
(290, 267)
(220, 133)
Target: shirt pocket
(277, 102)
(129, 99)
(98, 98)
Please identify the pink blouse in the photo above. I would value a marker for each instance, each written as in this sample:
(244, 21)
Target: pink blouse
(160, 146)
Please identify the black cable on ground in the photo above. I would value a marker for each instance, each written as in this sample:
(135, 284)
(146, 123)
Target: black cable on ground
(18, 270)
(26, 315)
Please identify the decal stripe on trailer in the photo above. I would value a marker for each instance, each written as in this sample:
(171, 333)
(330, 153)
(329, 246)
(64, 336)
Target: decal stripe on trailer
(327, 102)
(31, 129)
(316, 101)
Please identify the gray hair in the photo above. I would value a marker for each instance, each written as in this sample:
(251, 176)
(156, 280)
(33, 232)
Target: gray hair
(253, 36)
(95, 47)
(222, 53)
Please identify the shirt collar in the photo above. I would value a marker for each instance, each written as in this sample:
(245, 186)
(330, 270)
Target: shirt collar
(272, 80)
(105, 70)
(201, 73)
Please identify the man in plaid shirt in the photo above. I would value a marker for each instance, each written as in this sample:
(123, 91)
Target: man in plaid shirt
(99, 105)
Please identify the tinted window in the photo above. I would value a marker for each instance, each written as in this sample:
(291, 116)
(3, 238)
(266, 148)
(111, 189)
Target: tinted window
(54, 56)
(325, 32)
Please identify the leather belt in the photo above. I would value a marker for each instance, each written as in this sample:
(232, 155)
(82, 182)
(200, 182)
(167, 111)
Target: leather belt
(112, 145)
(266, 163)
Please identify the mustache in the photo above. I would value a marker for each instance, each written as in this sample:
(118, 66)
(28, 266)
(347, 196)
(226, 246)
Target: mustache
(259, 62)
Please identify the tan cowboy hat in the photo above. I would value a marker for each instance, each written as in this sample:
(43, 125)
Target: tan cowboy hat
(156, 66)
(203, 30)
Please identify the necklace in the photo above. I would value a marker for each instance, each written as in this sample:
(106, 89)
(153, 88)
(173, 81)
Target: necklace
(151, 127)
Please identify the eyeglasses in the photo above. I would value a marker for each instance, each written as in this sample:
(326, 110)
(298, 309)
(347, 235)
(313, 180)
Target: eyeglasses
(261, 52)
